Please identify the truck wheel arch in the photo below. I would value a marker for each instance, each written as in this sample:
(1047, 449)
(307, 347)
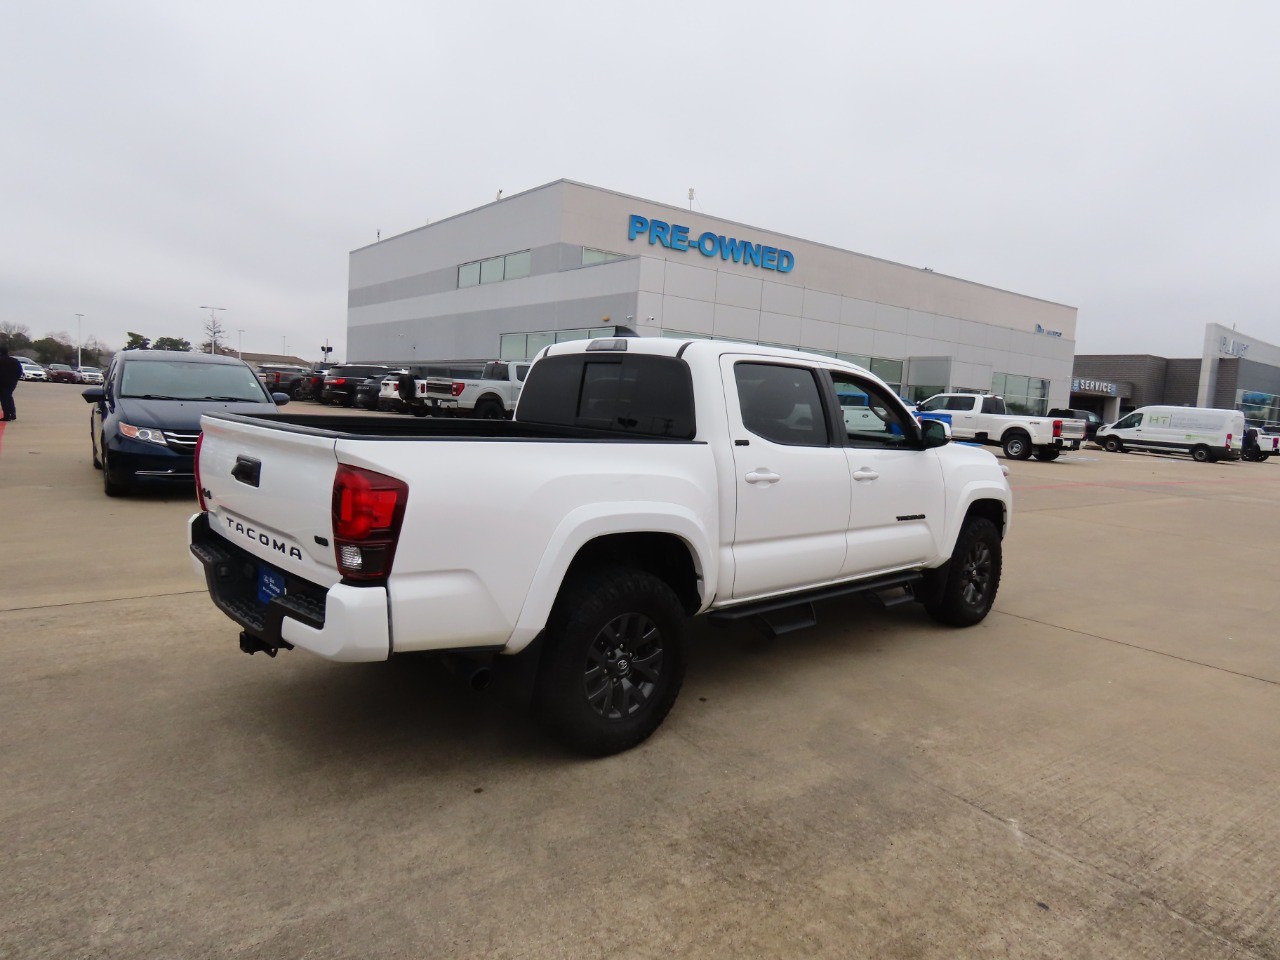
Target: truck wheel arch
(671, 546)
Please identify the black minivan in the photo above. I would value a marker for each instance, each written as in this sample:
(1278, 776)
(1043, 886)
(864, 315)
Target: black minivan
(146, 415)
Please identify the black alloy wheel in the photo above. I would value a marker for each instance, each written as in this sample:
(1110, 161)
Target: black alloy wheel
(613, 661)
(962, 592)
(623, 666)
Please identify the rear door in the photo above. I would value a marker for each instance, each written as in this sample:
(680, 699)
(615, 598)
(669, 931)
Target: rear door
(791, 477)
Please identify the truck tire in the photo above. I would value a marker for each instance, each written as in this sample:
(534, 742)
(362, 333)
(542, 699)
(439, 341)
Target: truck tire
(1113, 445)
(419, 409)
(614, 660)
(1047, 453)
(1200, 453)
(488, 408)
(1017, 445)
(969, 581)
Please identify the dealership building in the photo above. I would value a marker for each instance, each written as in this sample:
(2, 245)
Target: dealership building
(1233, 372)
(569, 261)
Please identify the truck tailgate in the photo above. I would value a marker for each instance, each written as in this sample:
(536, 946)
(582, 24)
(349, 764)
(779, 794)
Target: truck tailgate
(269, 491)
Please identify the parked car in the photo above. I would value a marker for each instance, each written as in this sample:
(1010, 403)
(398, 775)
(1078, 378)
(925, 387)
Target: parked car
(313, 387)
(1091, 420)
(369, 392)
(61, 373)
(340, 383)
(984, 418)
(145, 424)
(1207, 434)
(32, 370)
(489, 391)
(1259, 443)
(89, 374)
(284, 378)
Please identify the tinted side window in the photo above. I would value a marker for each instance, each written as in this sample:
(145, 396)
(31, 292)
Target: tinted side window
(932, 404)
(781, 404)
(993, 405)
(877, 421)
(647, 395)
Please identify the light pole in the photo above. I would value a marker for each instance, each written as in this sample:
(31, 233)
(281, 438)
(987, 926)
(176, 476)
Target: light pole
(213, 327)
(79, 342)
(284, 346)
(240, 345)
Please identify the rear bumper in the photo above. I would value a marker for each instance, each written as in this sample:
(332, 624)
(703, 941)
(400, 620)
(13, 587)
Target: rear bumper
(343, 622)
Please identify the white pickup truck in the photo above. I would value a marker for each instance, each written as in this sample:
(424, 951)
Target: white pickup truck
(490, 394)
(642, 482)
(984, 418)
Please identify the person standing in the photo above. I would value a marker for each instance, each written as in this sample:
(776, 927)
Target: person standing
(10, 374)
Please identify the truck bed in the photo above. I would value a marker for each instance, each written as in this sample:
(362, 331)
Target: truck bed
(436, 428)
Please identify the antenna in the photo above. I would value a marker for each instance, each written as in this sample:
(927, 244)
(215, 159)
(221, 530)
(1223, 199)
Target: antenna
(691, 198)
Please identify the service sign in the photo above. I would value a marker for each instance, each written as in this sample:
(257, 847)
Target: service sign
(1083, 385)
(675, 236)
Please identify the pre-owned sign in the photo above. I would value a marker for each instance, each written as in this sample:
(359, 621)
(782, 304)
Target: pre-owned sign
(675, 236)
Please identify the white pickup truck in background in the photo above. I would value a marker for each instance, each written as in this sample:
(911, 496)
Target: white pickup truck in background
(490, 394)
(984, 418)
(643, 481)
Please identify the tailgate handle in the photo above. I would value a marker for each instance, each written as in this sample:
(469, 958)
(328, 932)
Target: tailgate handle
(247, 470)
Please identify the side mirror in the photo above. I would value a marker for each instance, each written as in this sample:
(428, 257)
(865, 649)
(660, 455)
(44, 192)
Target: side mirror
(280, 398)
(936, 433)
(94, 395)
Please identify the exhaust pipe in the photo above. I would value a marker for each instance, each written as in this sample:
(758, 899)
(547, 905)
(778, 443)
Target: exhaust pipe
(476, 673)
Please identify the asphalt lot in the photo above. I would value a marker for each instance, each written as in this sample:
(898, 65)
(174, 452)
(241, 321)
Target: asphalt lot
(1092, 772)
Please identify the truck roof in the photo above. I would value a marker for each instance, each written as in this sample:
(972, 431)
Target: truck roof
(679, 347)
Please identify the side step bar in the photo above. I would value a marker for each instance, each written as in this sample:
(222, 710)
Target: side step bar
(778, 615)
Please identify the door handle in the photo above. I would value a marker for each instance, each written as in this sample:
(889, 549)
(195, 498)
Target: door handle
(762, 475)
(865, 473)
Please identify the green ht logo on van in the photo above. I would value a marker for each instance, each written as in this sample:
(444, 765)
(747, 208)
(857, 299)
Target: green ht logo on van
(675, 236)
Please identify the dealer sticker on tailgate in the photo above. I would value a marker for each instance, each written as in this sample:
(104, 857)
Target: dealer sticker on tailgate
(270, 584)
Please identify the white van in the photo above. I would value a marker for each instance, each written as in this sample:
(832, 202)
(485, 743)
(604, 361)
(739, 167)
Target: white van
(1204, 433)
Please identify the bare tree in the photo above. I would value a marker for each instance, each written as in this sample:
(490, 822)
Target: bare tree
(213, 330)
(10, 329)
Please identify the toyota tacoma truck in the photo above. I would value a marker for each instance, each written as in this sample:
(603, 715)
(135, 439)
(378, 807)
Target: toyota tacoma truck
(641, 482)
(984, 418)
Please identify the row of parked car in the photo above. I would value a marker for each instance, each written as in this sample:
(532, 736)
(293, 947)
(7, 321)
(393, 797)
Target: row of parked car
(58, 372)
(487, 389)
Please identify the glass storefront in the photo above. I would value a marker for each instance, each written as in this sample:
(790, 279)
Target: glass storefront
(1025, 395)
(1258, 407)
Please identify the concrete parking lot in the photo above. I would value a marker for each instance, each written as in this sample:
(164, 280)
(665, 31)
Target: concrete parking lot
(1092, 772)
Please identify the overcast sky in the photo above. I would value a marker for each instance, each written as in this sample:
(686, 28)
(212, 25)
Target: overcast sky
(1120, 157)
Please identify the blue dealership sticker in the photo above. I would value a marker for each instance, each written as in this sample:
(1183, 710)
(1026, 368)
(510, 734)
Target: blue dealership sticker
(270, 584)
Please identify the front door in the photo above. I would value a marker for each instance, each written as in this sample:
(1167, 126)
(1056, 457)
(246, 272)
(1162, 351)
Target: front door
(896, 495)
(791, 478)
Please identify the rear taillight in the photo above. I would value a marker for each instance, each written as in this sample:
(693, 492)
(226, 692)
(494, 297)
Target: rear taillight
(1057, 429)
(457, 389)
(338, 381)
(1228, 441)
(199, 483)
(368, 508)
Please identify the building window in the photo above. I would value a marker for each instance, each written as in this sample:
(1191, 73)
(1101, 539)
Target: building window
(525, 346)
(518, 264)
(591, 256)
(1028, 396)
(512, 266)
